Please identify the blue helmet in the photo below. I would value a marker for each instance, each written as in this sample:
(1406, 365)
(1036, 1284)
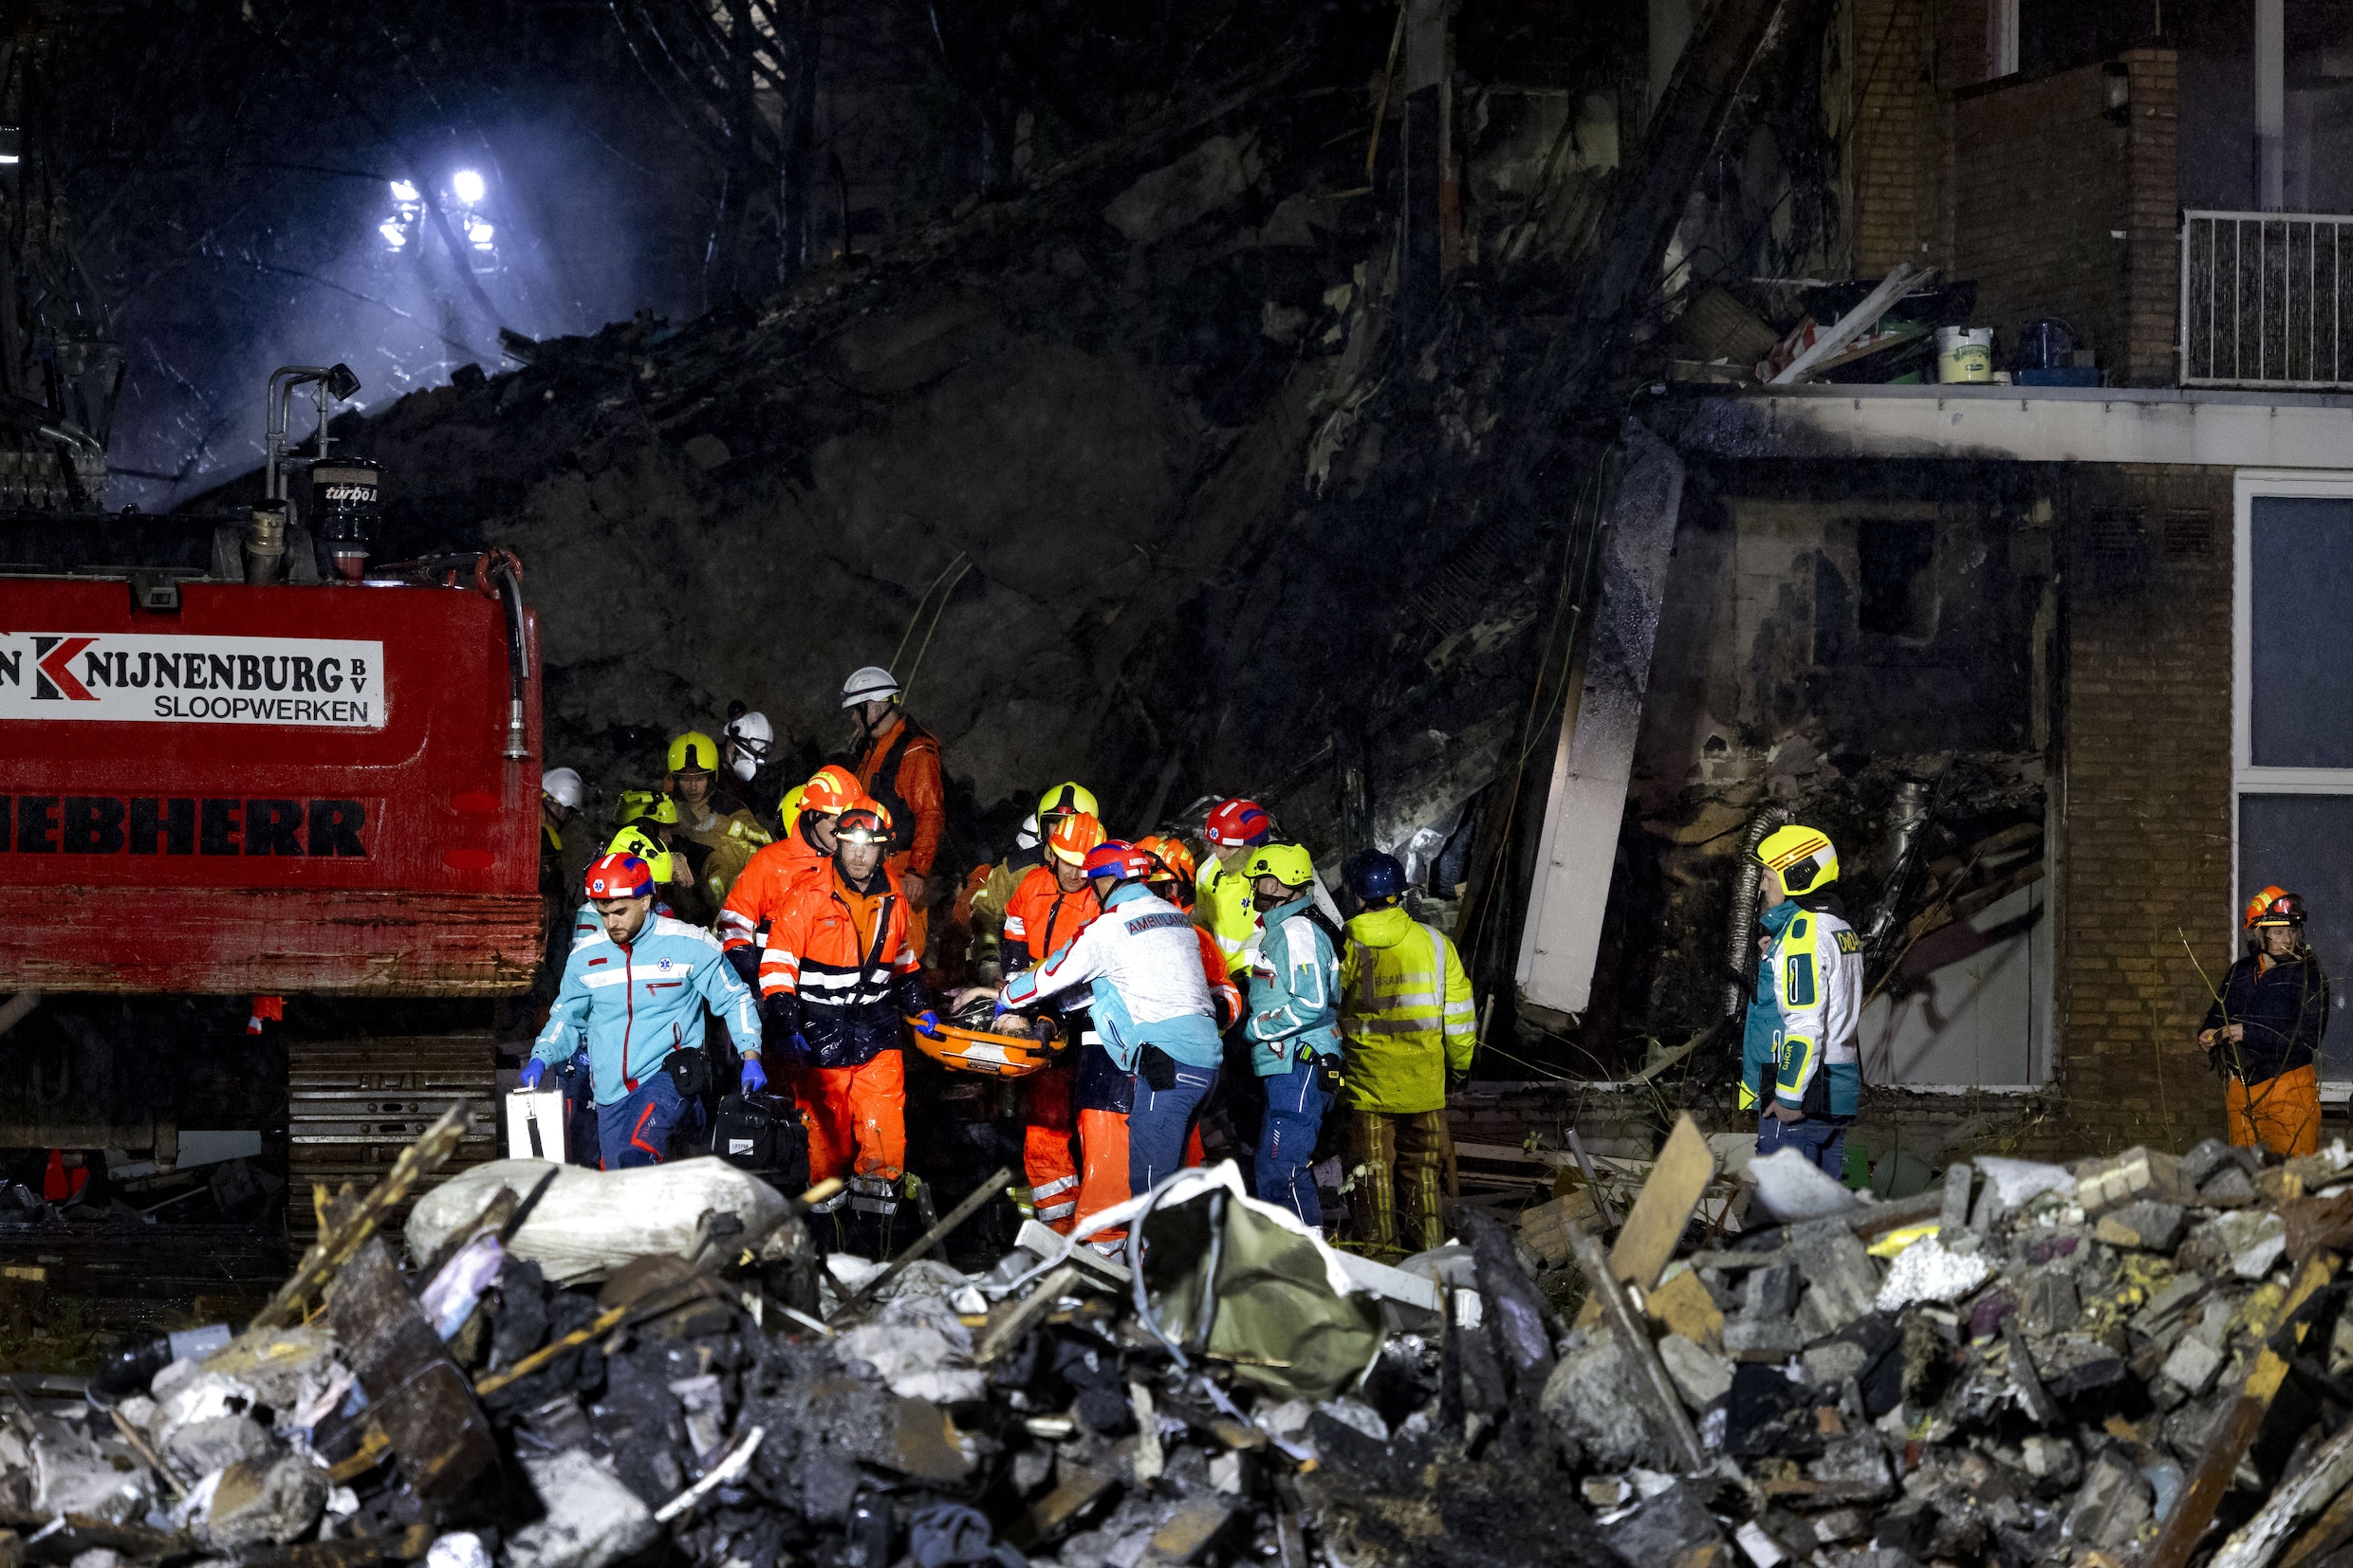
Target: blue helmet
(1371, 875)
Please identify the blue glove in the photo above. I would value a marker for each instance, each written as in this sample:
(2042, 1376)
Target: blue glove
(534, 1071)
(755, 1079)
(927, 1023)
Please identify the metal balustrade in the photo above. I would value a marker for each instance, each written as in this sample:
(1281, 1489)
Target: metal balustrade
(2266, 300)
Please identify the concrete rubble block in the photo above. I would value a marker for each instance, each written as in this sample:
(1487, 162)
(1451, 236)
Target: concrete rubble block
(2193, 1364)
(2111, 1506)
(1665, 1526)
(1929, 1271)
(2144, 1223)
(2138, 1173)
(74, 1473)
(1682, 1305)
(2254, 1239)
(2015, 1183)
(274, 1502)
(1590, 1401)
(2229, 1187)
(286, 1368)
(2049, 1303)
(2077, 1364)
(1840, 1525)
(1763, 1339)
(920, 1347)
(1858, 1464)
(2171, 1306)
(2051, 1459)
(2204, 1159)
(592, 1520)
(1828, 1365)
(1170, 198)
(1842, 1282)
(202, 1446)
(1771, 1291)
(1700, 1375)
(1790, 1189)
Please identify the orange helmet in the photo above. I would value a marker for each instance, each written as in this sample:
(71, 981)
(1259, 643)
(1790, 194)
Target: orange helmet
(1074, 837)
(831, 790)
(1171, 854)
(2262, 901)
(864, 821)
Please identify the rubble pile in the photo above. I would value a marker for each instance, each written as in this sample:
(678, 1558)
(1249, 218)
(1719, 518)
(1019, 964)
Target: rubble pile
(2137, 1360)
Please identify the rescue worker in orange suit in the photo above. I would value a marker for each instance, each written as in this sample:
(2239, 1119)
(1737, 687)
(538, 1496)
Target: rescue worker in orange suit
(996, 888)
(804, 850)
(897, 766)
(2264, 1030)
(1053, 904)
(837, 982)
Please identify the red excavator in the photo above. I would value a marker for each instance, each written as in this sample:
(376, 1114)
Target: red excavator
(240, 758)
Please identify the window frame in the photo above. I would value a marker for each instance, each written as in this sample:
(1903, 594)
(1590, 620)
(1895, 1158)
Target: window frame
(2248, 487)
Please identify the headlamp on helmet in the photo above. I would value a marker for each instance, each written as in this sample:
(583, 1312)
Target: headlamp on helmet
(2275, 907)
(863, 823)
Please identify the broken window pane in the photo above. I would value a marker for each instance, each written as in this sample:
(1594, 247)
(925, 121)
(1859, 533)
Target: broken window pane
(2304, 843)
(2301, 695)
(1897, 556)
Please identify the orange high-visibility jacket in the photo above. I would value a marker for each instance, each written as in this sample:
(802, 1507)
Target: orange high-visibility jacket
(1040, 918)
(901, 768)
(849, 987)
(759, 893)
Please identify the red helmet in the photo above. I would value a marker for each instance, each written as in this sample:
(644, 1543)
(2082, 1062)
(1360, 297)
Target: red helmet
(1236, 823)
(1123, 861)
(618, 877)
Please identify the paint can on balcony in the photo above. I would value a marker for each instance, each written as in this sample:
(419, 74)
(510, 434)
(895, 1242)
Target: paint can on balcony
(1964, 354)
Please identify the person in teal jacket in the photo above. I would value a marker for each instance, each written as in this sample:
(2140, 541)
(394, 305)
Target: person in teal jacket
(638, 991)
(1760, 1042)
(1294, 1026)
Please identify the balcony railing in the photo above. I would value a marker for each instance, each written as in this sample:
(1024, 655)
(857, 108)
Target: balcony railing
(2266, 300)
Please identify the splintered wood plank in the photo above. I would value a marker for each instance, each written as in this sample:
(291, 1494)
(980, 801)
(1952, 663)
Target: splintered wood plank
(1661, 1211)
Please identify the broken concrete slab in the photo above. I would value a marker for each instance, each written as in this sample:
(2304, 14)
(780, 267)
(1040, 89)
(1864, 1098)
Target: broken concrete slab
(1700, 1375)
(592, 1520)
(1842, 1282)
(1790, 1189)
(2144, 1223)
(260, 1500)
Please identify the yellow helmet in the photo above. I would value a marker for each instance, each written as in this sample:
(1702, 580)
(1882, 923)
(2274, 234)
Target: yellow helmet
(645, 805)
(694, 753)
(1289, 864)
(632, 841)
(789, 807)
(1063, 800)
(1798, 858)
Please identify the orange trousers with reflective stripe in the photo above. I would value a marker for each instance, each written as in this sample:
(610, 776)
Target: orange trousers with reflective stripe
(2282, 1114)
(1050, 1150)
(856, 1116)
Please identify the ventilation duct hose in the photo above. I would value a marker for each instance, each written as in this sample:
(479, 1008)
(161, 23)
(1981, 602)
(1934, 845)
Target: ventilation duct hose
(1740, 949)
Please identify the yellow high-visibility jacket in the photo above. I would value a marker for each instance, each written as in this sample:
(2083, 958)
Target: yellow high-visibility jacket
(1227, 910)
(1406, 1012)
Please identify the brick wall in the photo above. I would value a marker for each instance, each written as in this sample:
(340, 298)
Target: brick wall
(2143, 803)
(2059, 210)
(2153, 232)
(1892, 158)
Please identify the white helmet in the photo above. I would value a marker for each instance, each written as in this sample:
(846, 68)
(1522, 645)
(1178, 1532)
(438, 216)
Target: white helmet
(563, 786)
(871, 684)
(1028, 837)
(748, 738)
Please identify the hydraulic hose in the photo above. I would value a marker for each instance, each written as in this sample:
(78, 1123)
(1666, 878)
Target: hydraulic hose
(508, 572)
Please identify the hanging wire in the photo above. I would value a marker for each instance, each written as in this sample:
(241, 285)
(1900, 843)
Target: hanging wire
(908, 685)
(917, 615)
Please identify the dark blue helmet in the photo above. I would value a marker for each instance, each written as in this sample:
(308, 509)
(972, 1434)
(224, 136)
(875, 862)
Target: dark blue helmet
(1371, 875)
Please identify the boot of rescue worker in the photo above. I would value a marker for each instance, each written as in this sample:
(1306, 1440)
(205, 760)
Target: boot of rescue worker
(1294, 1026)
(1411, 1026)
(897, 764)
(2263, 1031)
(1816, 975)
